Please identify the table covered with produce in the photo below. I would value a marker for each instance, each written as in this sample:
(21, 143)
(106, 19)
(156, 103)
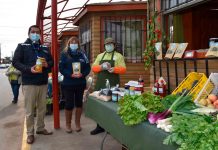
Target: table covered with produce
(139, 137)
(148, 122)
(187, 119)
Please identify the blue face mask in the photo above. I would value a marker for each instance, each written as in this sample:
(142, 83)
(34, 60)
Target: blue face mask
(74, 47)
(34, 37)
(109, 48)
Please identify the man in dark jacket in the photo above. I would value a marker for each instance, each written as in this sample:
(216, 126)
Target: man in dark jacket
(28, 57)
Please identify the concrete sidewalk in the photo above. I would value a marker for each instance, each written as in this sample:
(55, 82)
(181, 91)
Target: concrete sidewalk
(75, 141)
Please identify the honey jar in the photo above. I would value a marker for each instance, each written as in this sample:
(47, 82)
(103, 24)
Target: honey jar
(38, 66)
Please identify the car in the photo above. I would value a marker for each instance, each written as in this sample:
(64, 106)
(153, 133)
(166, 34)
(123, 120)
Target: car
(3, 66)
(8, 65)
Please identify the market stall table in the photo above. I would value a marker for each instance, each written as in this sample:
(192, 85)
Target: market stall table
(139, 137)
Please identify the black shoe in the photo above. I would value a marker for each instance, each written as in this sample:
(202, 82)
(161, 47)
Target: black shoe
(14, 102)
(97, 130)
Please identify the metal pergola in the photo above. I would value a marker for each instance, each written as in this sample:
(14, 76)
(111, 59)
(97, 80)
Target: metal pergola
(54, 17)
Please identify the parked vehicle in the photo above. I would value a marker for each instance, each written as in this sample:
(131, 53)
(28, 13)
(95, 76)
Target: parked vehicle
(4, 66)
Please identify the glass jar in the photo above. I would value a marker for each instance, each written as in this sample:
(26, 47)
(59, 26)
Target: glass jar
(38, 66)
(114, 96)
(132, 90)
(126, 89)
(138, 89)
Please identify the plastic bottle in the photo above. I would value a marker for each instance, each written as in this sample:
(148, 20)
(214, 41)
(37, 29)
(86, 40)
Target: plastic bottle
(156, 88)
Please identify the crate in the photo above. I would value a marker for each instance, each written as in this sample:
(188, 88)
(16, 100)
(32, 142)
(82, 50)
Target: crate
(197, 88)
(210, 87)
(188, 81)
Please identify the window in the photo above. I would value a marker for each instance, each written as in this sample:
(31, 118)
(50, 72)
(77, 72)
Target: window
(85, 37)
(168, 4)
(129, 34)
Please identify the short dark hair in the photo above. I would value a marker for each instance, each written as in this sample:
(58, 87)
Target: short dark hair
(34, 26)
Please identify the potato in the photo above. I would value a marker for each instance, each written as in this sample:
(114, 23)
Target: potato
(208, 101)
(203, 102)
(210, 106)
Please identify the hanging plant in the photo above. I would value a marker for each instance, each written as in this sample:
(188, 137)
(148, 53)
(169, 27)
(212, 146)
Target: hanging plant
(154, 36)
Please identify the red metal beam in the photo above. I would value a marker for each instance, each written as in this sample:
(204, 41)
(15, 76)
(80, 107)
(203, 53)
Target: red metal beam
(47, 24)
(42, 34)
(77, 12)
(55, 68)
(63, 8)
(40, 10)
(57, 3)
(59, 18)
(69, 9)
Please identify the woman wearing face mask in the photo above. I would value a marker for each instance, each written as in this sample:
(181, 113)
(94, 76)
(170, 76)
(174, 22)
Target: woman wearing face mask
(74, 66)
(108, 65)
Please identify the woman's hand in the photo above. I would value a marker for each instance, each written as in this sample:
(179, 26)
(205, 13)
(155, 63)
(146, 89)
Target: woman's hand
(79, 75)
(111, 70)
(105, 66)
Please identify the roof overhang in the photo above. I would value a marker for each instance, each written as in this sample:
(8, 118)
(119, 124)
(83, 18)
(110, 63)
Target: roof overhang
(110, 7)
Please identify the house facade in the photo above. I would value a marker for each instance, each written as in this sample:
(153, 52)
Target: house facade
(123, 21)
(186, 21)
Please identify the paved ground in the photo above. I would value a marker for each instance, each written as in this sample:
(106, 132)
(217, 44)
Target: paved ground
(75, 141)
(12, 126)
(11, 117)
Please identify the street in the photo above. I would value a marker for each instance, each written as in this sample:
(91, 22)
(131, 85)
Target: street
(11, 116)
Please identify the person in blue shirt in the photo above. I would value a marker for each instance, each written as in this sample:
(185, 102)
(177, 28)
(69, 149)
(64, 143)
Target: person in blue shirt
(74, 66)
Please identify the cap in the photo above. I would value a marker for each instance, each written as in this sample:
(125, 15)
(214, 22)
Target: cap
(109, 40)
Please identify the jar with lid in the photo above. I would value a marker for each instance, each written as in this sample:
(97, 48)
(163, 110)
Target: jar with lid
(132, 90)
(126, 87)
(38, 66)
(138, 89)
(114, 96)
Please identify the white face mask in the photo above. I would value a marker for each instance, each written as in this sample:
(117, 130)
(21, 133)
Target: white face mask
(109, 48)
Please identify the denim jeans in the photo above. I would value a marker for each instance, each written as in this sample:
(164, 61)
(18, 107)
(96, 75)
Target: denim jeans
(15, 89)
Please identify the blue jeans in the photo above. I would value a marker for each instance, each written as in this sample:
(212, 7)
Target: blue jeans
(15, 89)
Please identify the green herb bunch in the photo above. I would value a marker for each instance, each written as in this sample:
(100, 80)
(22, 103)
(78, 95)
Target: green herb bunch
(134, 109)
(193, 132)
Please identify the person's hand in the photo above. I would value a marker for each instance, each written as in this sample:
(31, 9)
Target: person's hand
(111, 70)
(105, 66)
(44, 64)
(79, 75)
(33, 69)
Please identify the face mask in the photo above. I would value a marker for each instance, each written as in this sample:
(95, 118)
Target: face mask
(34, 37)
(73, 47)
(109, 48)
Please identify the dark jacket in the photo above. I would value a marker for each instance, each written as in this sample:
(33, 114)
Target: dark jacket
(25, 57)
(65, 67)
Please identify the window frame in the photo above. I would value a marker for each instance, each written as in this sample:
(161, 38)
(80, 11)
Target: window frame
(142, 18)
